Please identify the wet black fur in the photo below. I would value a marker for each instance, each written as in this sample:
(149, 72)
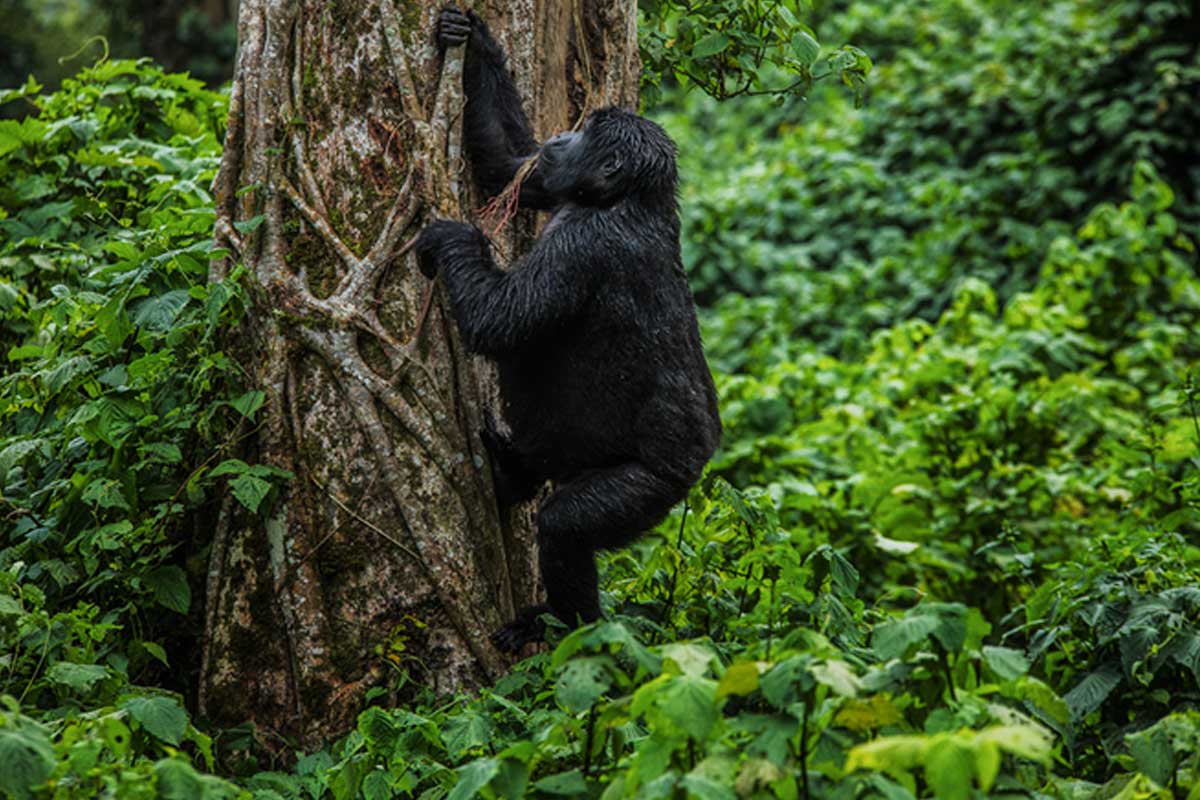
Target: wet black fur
(602, 375)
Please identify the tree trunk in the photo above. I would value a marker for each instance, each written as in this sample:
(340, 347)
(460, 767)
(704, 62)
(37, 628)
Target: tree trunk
(383, 561)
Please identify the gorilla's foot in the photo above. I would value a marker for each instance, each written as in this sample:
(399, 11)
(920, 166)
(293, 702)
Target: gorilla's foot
(527, 627)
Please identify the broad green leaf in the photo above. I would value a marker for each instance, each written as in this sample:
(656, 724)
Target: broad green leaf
(80, 677)
(838, 676)
(15, 452)
(949, 769)
(376, 786)
(1008, 664)
(513, 777)
(1091, 692)
(690, 658)
(987, 764)
(892, 639)
(162, 716)
(156, 650)
(582, 682)
(249, 225)
(740, 679)
(805, 47)
(466, 731)
(106, 493)
(710, 45)
(159, 312)
(230, 466)
(249, 402)
(888, 754)
(10, 606)
(1026, 741)
(706, 788)
(250, 491)
(568, 784)
(788, 681)
(473, 777)
(683, 703)
(179, 780)
(1154, 753)
(170, 587)
(26, 760)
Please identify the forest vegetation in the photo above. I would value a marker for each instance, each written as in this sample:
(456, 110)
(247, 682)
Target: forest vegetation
(950, 545)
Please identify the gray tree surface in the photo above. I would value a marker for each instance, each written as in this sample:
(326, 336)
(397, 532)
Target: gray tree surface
(382, 562)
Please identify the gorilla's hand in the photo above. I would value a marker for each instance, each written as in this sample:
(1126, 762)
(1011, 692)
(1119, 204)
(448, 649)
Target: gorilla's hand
(453, 27)
(438, 240)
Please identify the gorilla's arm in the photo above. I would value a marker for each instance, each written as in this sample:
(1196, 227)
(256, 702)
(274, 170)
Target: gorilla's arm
(500, 312)
(497, 133)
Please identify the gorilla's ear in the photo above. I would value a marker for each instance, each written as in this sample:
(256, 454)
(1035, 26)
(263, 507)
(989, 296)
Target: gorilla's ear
(612, 166)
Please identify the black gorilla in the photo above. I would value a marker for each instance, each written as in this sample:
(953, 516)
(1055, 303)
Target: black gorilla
(602, 376)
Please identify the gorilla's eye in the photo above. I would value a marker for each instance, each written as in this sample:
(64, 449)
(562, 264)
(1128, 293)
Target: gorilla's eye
(611, 167)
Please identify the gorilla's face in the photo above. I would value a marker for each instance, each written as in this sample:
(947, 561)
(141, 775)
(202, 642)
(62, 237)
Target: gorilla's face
(617, 154)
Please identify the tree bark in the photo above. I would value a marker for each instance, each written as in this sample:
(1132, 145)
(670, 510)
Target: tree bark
(383, 561)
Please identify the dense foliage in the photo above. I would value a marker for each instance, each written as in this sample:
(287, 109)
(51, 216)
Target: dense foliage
(948, 549)
(114, 405)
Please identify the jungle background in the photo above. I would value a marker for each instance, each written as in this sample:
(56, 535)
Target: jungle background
(947, 549)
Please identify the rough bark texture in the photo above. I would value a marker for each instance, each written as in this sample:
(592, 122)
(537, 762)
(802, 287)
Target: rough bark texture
(383, 562)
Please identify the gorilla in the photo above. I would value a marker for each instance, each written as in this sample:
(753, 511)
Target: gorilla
(602, 376)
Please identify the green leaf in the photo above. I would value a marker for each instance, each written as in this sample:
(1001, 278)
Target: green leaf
(473, 777)
(1091, 692)
(706, 788)
(582, 682)
(892, 639)
(376, 786)
(468, 730)
(949, 769)
(569, 784)
(788, 681)
(805, 47)
(740, 679)
(689, 658)
(1027, 741)
(114, 323)
(513, 778)
(156, 650)
(1008, 664)
(105, 493)
(248, 225)
(16, 452)
(177, 781)
(230, 466)
(710, 45)
(170, 586)
(689, 702)
(838, 676)
(1152, 751)
(10, 606)
(80, 677)
(26, 760)
(158, 313)
(249, 402)
(163, 717)
(250, 491)
(987, 764)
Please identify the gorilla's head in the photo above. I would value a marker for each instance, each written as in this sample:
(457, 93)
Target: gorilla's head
(618, 154)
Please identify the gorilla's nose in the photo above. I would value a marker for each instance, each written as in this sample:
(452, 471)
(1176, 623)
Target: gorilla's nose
(559, 143)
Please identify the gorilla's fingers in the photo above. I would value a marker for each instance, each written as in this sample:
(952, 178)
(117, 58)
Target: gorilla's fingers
(454, 27)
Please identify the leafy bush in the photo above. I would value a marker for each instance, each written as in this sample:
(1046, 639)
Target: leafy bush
(991, 129)
(114, 400)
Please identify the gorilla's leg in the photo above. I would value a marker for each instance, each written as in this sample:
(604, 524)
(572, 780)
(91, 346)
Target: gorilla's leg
(596, 510)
